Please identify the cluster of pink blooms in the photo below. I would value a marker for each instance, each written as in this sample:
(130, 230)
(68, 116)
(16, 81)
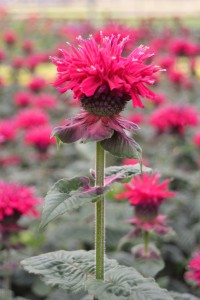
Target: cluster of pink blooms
(146, 194)
(7, 130)
(30, 117)
(193, 273)
(174, 118)
(17, 199)
(39, 137)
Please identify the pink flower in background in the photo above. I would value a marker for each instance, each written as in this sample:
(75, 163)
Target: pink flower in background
(136, 117)
(179, 78)
(27, 46)
(180, 46)
(17, 62)
(146, 190)
(37, 84)
(9, 37)
(174, 118)
(133, 161)
(45, 101)
(193, 273)
(7, 130)
(10, 160)
(17, 199)
(31, 117)
(22, 98)
(39, 137)
(100, 69)
(159, 100)
(167, 61)
(196, 139)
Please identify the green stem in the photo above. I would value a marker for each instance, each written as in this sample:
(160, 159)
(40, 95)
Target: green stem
(6, 283)
(100, 225)
(146, 242)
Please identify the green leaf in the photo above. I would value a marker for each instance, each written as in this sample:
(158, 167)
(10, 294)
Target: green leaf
(75, 271)
(149, 290)
(147, 266)
(122, 146)
(125, 283)
(66, 269)
(125, 173)
(67, 195)
(178, 296)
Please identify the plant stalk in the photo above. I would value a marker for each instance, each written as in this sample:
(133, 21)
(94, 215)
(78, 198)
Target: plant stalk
(100, 214)
(146, 242)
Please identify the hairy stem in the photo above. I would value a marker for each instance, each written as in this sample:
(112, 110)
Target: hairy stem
(100, 225)
(146, 242)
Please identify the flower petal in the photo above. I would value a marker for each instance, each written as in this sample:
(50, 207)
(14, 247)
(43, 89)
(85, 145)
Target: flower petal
(97, 131)
(69, 133)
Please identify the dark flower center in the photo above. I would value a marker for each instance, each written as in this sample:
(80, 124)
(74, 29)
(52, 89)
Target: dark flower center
(106, 103)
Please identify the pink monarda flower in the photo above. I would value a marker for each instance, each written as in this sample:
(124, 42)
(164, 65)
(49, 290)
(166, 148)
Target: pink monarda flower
(7, 130)
(31, 117)
(103, 81)
(193, 273)
(22, 98)
(17, 62)
(94, 70)
(196, 139)
(179, 79)
(37, 84)
(174, 118)
(133, 161)
(183, 47)
(17, 199)
(9, 38)
(136, 117)
(146, 194)
(44, 101)
(10, 160)
(39, 137)
(27, 46)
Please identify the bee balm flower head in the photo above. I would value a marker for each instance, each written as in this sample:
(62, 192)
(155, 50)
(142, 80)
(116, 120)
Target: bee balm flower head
(104, 81)
(100, 77)
(146, 194)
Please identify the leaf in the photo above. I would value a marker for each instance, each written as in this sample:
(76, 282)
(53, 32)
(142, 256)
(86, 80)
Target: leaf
(125, 283)
(122, 146)
(66, 195)
(66, 269)
(75, 271)
(125, 173)
(178, 296)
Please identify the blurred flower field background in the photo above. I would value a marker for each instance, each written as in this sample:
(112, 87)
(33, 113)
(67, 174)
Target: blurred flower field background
(30, 161)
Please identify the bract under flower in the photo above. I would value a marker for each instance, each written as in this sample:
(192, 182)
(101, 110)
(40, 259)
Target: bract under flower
(110, 131)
